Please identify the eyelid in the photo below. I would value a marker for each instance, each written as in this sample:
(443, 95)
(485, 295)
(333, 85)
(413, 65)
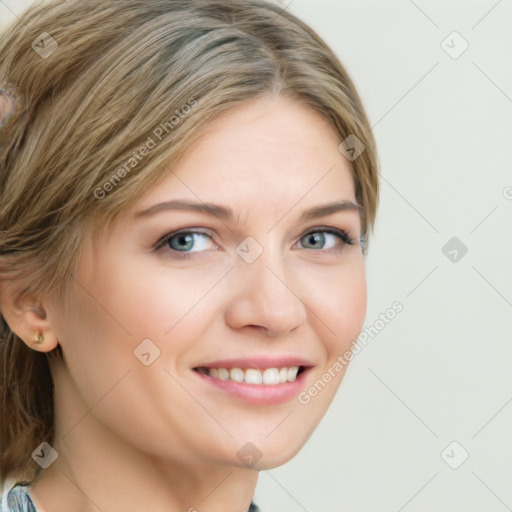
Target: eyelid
(341, 233)
(205, 231)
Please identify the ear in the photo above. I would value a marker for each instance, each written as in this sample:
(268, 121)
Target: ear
(26, 317)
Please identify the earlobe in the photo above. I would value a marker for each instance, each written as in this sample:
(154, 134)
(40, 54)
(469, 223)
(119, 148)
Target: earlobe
(43, 343)
(27, 319)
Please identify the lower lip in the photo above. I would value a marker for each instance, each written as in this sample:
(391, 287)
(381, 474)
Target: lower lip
(258, 394)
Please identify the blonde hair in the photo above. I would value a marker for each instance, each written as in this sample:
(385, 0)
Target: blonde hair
(94, 82)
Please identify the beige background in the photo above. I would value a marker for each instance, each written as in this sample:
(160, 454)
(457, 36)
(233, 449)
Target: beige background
(440, 371)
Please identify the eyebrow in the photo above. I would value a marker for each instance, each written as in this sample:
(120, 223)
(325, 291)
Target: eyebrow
(226, 213)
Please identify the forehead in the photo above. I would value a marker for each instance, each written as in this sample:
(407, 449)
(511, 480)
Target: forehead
(262, 154)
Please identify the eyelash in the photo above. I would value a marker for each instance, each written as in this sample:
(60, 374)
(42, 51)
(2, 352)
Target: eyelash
(161, 244)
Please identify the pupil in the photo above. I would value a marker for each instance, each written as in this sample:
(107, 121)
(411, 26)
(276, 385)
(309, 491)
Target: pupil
(315, 238)
(185, 240)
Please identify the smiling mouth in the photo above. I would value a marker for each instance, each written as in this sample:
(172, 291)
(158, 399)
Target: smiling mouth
(268, 376)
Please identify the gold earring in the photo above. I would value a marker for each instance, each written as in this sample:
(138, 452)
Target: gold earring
(39, 338)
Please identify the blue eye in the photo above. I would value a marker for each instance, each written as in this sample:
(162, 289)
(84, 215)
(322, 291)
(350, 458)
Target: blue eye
(186, 241)
(326, 236)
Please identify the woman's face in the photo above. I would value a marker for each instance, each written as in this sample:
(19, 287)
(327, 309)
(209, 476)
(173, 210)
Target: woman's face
(156, 322)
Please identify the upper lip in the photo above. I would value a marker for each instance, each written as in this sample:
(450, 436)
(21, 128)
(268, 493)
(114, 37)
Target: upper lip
(258, 362)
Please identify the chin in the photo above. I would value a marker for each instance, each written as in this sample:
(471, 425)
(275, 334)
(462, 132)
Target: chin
(271, 463)
(269, 455)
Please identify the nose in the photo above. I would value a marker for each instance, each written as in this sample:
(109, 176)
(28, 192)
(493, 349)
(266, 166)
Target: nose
(264, 297)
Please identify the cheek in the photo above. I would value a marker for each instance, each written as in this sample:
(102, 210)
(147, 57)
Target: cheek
(136, 301)
(172, 307)
(156, 299)
(338, 302)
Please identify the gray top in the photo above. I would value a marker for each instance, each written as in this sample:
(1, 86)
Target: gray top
(18, 500)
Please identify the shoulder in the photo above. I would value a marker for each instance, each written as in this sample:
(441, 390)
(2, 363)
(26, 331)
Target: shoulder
(17, 499)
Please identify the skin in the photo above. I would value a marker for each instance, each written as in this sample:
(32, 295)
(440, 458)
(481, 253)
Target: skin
(136, 437)
(7, 107)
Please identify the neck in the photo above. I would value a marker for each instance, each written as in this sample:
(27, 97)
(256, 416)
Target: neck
(97, 469)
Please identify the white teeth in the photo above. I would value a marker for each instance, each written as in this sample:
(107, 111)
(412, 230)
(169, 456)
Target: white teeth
(269, 377)
(222, 374)
(236, 374)
(253, 376)
(291, 374)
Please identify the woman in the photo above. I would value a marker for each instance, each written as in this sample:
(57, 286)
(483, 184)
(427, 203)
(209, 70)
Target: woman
(186, 192)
